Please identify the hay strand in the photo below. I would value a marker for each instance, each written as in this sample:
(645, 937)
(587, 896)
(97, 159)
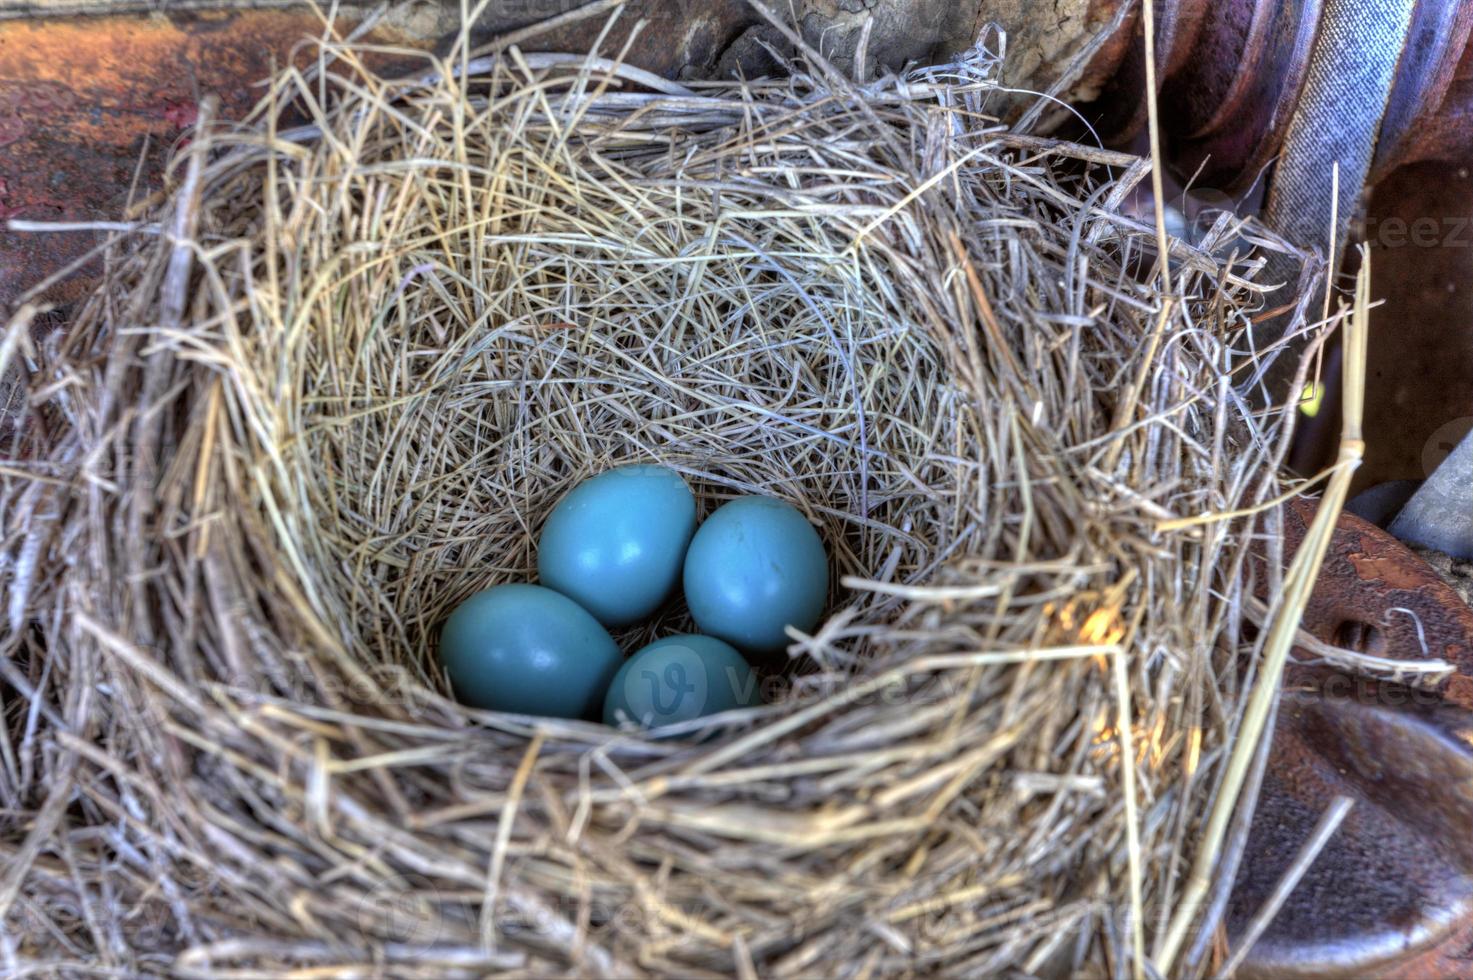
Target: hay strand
(1303, 572)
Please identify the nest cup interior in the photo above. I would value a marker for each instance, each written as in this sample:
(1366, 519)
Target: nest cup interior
(482, 382)
(482, 344)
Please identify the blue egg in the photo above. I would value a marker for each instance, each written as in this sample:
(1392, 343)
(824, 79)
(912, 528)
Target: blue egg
(615, 543)
(756, 566)
(679, 678)
(528, 650)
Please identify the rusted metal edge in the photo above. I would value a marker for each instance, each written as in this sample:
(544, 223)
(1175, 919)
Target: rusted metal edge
(1392, 893)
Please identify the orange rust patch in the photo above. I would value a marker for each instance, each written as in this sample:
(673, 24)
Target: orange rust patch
(1389, 570)
(1460, 686)
(114, 79)
(86, 103)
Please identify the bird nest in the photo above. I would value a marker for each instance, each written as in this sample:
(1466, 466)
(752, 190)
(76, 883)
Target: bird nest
(335, 379)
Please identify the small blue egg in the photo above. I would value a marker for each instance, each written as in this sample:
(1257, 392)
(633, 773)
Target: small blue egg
(615, 543)
(755, 566)
(528, 650)
(678, 678)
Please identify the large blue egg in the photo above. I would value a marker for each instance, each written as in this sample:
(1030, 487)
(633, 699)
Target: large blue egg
(528, 650)
(756, 566)
(679, 678)
(615, 543)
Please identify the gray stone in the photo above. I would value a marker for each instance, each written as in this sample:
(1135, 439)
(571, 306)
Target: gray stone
(1440, 514)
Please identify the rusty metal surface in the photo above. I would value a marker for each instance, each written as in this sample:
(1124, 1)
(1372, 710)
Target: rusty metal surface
(1229, 108)
(1392, 893)
(1368, 574)
(1447, 134)
(87, 105)
(1232, 71)
(1229, 78)
(1438, 42)
(1187, 20)
(1105, 81)
(1394, 882)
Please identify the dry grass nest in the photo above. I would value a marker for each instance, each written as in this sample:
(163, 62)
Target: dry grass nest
(333, 383)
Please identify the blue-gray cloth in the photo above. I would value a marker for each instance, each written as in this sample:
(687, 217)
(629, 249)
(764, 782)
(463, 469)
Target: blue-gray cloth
(1337, 120)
